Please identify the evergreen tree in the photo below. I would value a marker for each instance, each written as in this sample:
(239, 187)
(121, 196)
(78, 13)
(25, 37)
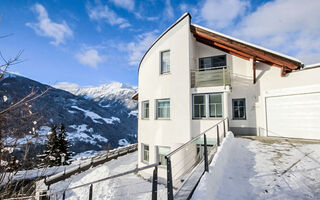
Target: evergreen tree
(65, 155)
(52, 153)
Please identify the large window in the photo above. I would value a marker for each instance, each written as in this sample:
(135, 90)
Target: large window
(145, 110)
(199, 106)
(207, 106)
(165, 62)
(162, 152)
(211, 63)
(239, 109)
(163, 108)
(215, 105)
(145, 153)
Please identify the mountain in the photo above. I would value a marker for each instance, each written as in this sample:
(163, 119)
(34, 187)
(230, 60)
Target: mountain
(96, 118)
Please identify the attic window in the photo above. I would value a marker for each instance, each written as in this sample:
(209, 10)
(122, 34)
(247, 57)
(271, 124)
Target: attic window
(212, 63)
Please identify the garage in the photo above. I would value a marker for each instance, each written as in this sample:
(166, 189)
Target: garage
(293, 112)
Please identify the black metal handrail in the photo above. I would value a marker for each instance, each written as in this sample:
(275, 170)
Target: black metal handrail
(194, 139)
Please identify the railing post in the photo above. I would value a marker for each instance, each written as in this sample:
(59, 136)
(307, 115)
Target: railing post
(228, 124)
(155, 183)
(64, 195)
(90, 192)
(224, 129)
(169, 179)
(218, 137)
(206, 164)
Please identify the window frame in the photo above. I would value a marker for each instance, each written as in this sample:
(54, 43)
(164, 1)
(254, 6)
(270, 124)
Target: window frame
(157, 109)
(161, 53)
(207, 106)
(158, 155)
(143, 153)
(143, 114)
(215, 67)
(245, 109)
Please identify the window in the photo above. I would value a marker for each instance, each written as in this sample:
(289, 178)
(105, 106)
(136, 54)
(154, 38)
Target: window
(145, 153)
(162, 152)
(215, 105)
(211, 63)
(199, 106)
(239, 108)
(207, 106)
(145, 110)
(163, 109)
(165, 62)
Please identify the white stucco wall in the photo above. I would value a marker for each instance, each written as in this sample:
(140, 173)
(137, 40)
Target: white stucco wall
(175, 86)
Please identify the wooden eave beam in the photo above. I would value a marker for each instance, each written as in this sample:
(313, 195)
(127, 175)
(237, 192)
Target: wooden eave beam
(254, 68)
(246, 49)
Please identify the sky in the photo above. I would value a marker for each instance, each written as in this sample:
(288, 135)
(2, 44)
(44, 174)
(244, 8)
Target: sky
(97, 42)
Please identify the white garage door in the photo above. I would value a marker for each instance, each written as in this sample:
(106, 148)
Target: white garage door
(294, 115)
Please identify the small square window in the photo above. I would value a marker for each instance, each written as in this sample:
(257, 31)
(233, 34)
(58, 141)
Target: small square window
(163, 109)
(239, 109)
(145, 110)
(145, 153)
(165, 62)
(162, 152)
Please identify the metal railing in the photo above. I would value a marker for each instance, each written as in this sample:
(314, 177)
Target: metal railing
(187, 163)
(117, 192)
(210, 77)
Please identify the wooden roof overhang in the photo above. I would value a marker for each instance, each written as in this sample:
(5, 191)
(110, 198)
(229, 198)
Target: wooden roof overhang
(244, 50)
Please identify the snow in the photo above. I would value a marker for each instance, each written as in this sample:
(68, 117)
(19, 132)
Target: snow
(133, 113)
(81, 135)
(95, 116)
(5, 98)
(123, 142)
(112, 91)
(125, 187)
(260, 169)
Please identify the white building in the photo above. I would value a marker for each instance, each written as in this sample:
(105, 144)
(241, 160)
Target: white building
(192, 77)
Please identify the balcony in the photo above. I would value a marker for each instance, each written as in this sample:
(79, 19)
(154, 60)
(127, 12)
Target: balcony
(210, 77)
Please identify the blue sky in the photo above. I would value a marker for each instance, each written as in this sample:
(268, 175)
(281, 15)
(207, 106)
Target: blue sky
(97, 42)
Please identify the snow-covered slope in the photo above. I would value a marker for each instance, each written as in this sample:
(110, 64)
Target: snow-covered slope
(103, 93)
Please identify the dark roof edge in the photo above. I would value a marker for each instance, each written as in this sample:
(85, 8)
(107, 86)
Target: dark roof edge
(173, 25)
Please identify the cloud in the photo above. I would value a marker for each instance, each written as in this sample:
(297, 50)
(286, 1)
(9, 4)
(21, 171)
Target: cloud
(221, 13)
(137, 48)
(45, 27)
(168, 10)
(90, 57)
(103, 12)
(290, 25)
(126, 4)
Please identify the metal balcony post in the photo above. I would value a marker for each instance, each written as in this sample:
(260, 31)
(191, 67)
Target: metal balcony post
(224, 129)
(90, 192)
(218, 137)
(169, 179)
(155, 183)
(206, 164)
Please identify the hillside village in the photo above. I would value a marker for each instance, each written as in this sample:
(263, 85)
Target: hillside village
(213, 116)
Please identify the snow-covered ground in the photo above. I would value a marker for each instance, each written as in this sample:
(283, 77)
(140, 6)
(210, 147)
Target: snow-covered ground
(264, 169)
(129, 186)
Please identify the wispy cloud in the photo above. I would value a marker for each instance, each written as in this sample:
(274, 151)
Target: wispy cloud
(90, 57)
(103, 12)
(168, 10)
(221, 13)
(126, 4)
(46, 27)
(290, 25)
(137, 48)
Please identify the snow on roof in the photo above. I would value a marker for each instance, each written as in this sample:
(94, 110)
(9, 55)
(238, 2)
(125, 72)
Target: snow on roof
(247, 43)
(312, 65)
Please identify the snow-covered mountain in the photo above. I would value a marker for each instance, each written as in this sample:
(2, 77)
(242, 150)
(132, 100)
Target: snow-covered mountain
(96, 118)
(114, 91)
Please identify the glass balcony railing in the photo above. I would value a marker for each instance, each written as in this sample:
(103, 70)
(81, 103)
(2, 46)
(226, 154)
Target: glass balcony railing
(210, 77)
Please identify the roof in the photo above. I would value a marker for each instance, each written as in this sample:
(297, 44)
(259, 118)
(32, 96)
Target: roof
(315, 65)
(248, 43)
(244, 49)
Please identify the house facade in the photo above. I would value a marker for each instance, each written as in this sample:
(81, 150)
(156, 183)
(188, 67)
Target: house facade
(192, 77)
